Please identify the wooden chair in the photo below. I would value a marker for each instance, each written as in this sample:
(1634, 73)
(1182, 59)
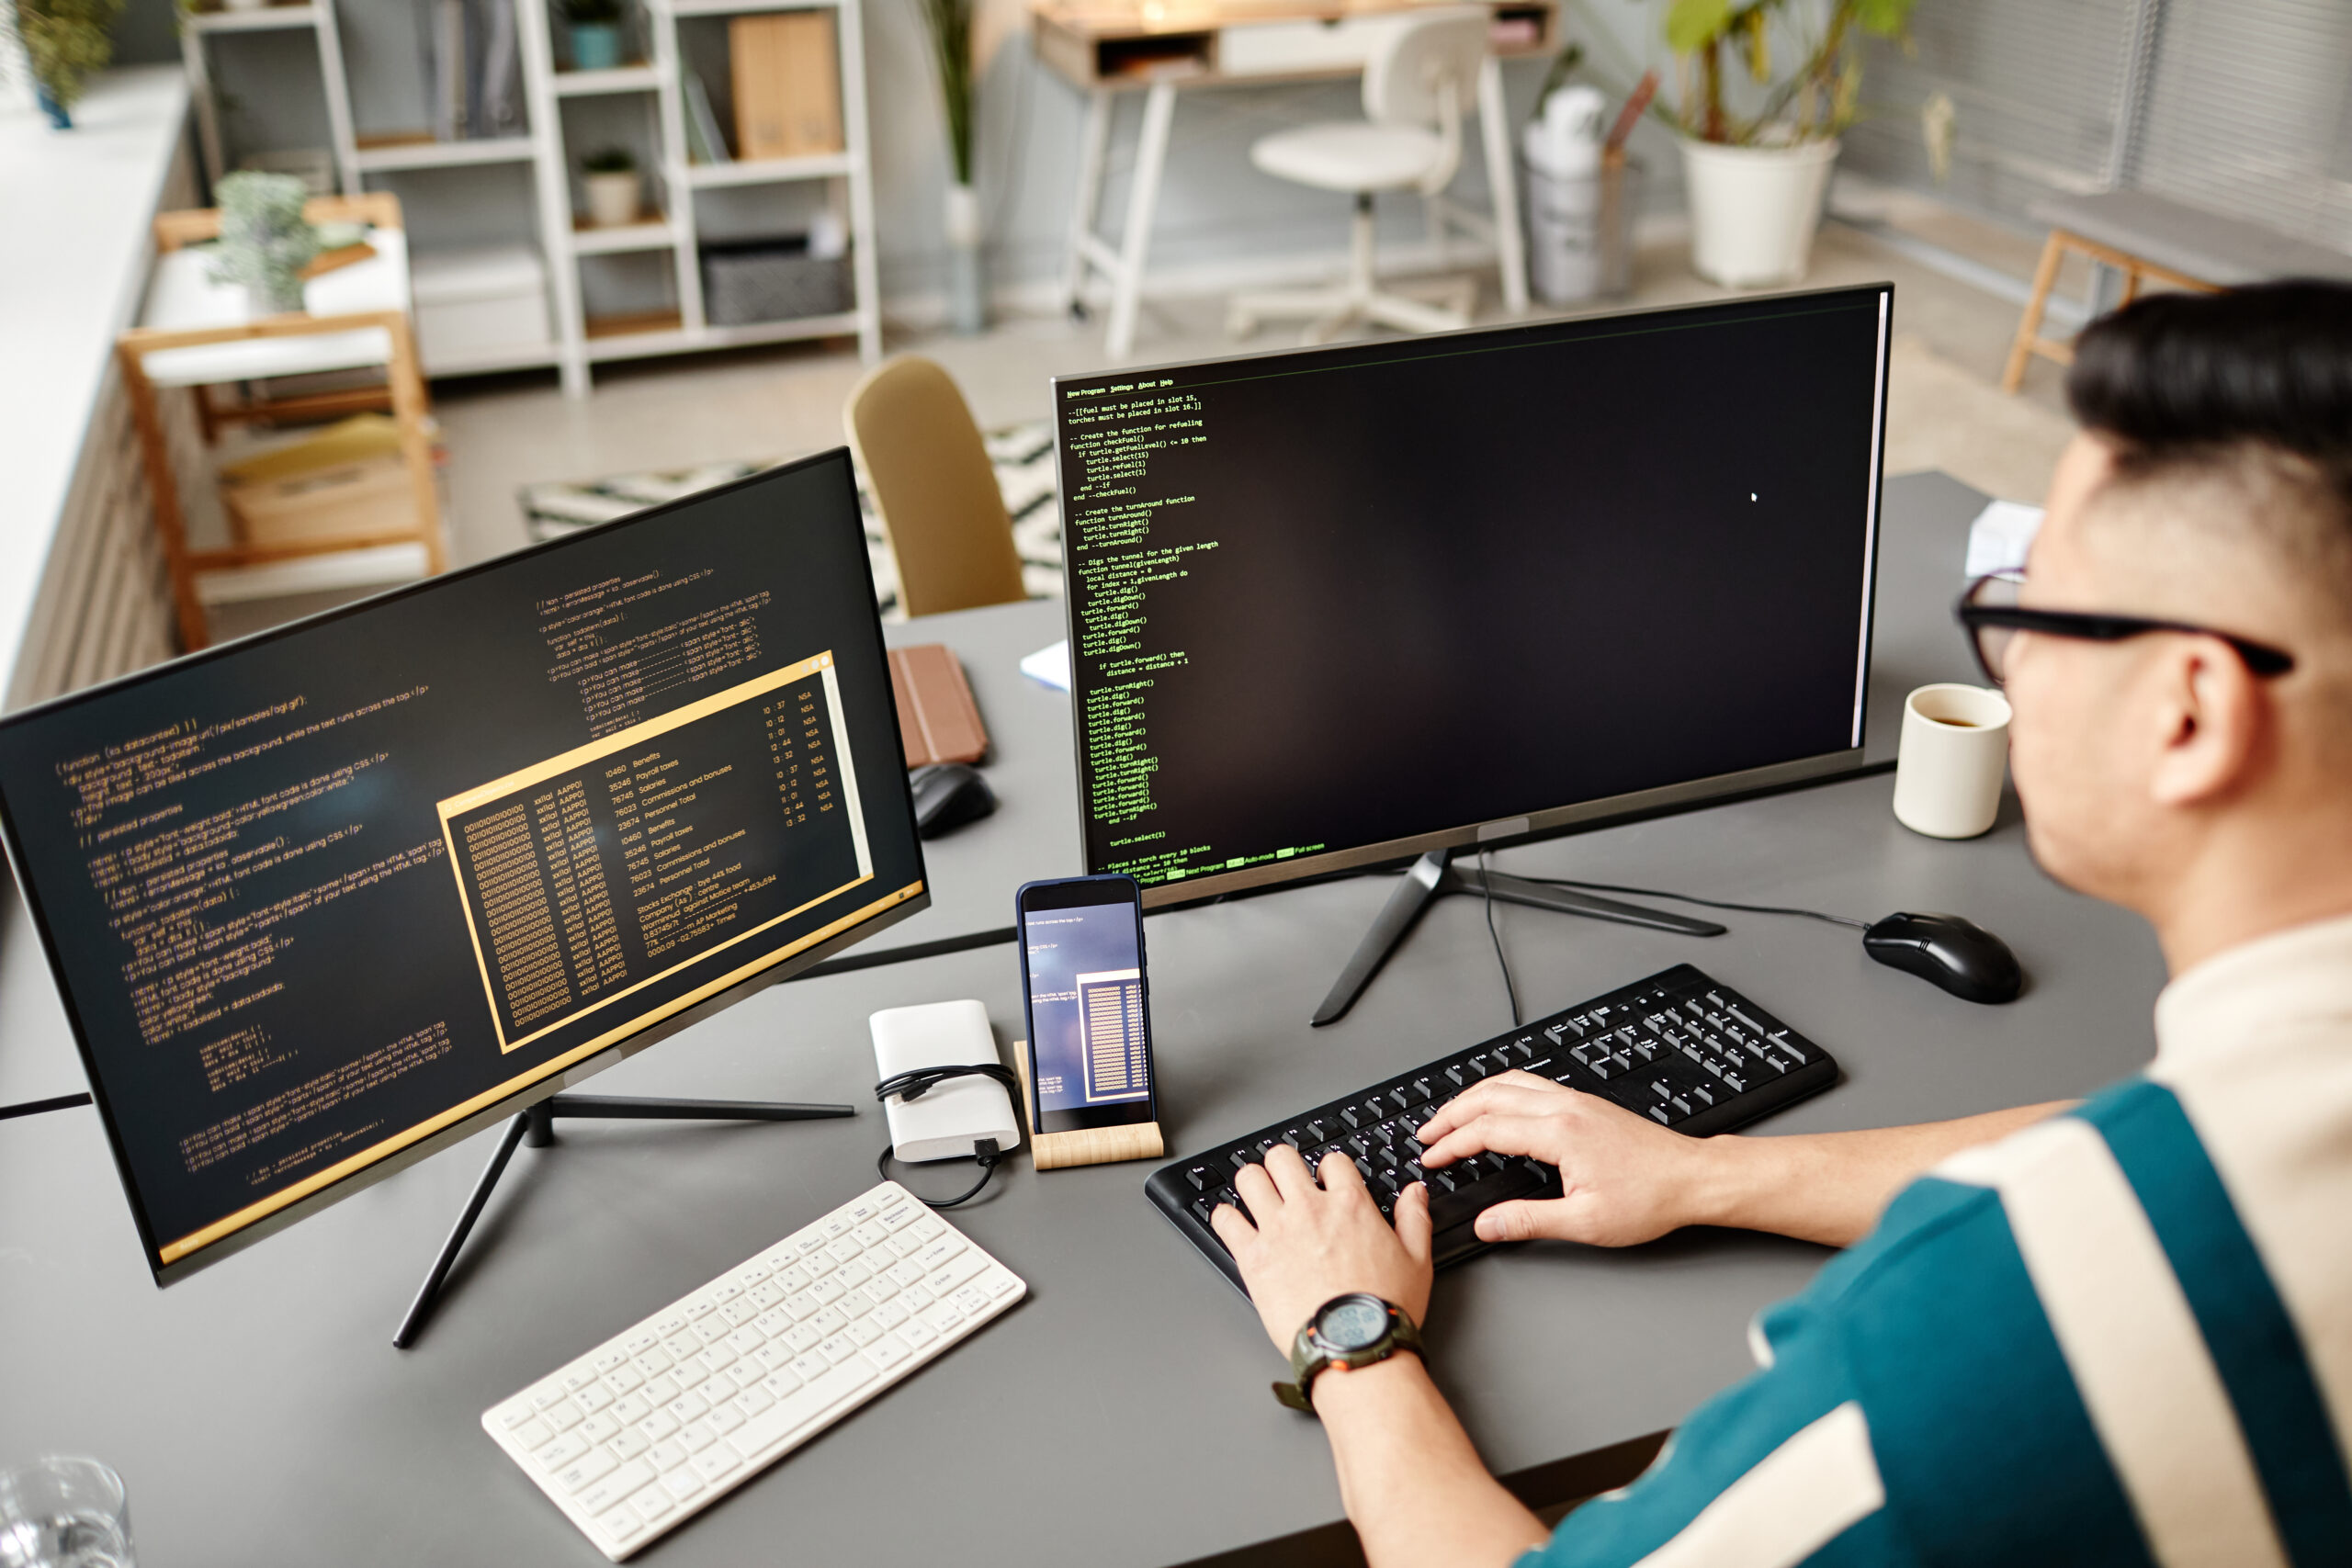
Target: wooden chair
(932, 481)
(2146, 236)
(169, 353)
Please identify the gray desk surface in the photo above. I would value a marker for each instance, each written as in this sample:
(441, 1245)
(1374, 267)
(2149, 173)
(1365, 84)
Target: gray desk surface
(1035, 831)
(1120, 1416)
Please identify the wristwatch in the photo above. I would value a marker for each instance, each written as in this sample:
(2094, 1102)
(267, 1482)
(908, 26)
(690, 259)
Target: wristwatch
(1354, 1330)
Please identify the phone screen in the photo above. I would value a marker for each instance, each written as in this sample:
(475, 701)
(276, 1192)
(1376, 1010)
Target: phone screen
(1090, 1029)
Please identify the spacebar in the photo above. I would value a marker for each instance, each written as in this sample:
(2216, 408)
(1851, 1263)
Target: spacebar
(797, 1409)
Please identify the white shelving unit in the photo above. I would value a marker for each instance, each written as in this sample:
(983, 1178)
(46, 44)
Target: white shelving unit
(581, 341)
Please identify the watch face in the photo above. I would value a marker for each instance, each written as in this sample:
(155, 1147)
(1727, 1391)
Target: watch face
(1352, 1323)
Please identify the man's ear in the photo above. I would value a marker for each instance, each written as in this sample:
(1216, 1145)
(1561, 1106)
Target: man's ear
(2215, 724)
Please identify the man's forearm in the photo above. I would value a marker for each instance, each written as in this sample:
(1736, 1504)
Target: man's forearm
(1832, 1187)
(1414, 1487)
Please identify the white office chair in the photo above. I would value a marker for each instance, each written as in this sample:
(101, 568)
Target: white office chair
(1420, 80)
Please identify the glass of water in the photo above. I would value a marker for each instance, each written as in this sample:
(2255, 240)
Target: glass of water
(61, 1512)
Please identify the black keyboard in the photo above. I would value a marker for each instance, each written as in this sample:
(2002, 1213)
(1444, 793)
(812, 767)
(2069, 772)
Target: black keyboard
(1676, 1047)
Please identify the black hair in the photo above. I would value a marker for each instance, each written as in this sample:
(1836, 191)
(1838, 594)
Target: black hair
(2180, 375)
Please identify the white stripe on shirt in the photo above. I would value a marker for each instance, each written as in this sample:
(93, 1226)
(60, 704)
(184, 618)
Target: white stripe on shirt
(1796, 1500)
(2126, 1333)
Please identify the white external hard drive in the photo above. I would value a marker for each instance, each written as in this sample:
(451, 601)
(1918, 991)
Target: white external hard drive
(953, 1117)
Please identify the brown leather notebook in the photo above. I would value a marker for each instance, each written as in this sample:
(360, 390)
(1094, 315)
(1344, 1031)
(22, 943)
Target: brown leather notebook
(938, 721)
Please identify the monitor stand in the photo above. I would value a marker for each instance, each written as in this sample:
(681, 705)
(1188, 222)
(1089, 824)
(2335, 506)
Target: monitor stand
(535, 1125)
(1433, 876)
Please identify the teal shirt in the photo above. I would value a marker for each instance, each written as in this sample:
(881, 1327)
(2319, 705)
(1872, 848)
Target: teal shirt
(2124, 1335)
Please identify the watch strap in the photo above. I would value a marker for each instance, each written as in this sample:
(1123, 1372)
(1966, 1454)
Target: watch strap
(1309, 1359)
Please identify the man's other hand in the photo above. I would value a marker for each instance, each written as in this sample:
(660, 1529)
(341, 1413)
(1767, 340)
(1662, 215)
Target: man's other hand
(1312, 1242)
(1623, 1179)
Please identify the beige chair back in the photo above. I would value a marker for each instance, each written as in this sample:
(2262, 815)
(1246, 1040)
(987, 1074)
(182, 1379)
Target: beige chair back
(932, 481)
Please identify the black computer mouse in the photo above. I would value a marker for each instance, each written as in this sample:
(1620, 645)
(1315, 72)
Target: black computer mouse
(1944, 950)
(948, 795)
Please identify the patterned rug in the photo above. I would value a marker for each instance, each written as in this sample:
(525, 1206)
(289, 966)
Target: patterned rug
(1022, 455)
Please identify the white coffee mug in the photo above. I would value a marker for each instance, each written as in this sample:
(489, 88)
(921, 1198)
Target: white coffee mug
(1949, 766)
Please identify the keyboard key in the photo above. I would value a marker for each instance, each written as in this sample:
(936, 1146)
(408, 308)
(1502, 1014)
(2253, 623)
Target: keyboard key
(799, 1409)
(682, 1484)
(967, 1266)
(618, 1487)
(533, 1433)
(598, 1429)
(560, 1452)
(592, 1466)
(652, 1503)
(621, 1523)
(716, 1461)
(563, 1415)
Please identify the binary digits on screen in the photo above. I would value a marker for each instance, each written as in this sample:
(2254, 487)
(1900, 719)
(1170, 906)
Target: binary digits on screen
(319, 894)
(1335, 598)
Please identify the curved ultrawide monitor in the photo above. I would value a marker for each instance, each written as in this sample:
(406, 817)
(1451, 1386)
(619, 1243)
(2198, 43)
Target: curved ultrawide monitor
(324, 900)
(1336, 606)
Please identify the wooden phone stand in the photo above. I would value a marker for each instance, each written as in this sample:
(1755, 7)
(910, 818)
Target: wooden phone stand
(1092, 1145)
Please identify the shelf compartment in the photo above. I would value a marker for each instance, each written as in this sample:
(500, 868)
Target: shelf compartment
(620, 79)
(649, 234)
(767, 170)
(634, 324)
(267, 18)
(383, 154)
(675, 339)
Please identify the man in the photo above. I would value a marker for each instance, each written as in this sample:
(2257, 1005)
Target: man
(2115, 1333)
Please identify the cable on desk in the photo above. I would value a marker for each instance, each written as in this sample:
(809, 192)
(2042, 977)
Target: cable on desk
(1486, 888)
(35, 1107)
(1694, 898)
(915, 1085)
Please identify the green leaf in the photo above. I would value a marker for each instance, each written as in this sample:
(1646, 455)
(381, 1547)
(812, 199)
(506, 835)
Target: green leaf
(1691, 24)
(1886, 18)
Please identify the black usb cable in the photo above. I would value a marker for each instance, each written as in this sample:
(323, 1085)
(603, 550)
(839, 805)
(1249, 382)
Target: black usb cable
(920, 1081)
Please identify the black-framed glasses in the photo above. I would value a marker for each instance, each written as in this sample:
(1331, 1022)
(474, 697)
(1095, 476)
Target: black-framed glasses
(1990, 612)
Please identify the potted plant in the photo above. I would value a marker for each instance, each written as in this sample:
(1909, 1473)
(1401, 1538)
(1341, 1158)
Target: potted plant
(594, 26)
(1757, 173)
(610, 175)
(949, 24)
(265, 239)
(65, 43)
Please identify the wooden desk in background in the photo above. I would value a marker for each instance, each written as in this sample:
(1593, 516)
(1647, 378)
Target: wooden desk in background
(1106, 47)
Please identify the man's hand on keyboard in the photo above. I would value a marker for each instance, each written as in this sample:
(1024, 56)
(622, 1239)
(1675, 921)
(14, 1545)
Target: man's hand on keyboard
(1624, 1179)
(1312, 1242)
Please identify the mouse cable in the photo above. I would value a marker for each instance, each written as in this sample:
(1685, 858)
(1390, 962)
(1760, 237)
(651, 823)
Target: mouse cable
(1694, 898)
(921, 1081)
(1486, 889)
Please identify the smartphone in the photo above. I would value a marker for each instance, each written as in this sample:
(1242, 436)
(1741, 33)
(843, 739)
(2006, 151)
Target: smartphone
(1089, 1011)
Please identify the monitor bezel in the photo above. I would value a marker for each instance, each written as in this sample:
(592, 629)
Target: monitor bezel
(1574, 816)
(553, 1081)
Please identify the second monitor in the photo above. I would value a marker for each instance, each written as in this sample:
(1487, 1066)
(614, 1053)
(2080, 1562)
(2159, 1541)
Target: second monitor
(1338, 607)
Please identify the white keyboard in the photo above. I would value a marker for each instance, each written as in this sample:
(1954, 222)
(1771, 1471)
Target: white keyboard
(667, 1416)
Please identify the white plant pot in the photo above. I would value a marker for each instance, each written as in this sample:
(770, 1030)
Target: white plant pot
(968, 303)
(1754, 210)
(612, 198)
